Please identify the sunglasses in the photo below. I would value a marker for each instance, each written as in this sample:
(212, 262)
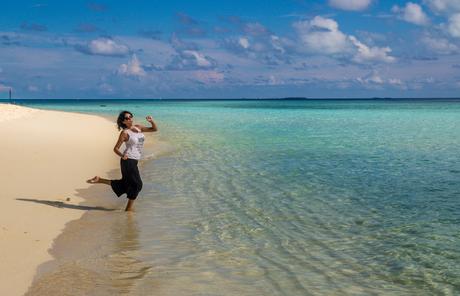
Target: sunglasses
(128, 117)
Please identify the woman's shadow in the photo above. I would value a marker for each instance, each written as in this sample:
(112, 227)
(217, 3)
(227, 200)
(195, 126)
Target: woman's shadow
(95, 198)
(61, 204)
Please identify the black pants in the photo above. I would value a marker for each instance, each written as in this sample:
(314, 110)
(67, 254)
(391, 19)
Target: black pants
(130, 182)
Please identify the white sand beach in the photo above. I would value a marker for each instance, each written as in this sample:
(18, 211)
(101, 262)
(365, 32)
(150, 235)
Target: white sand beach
(46, 156)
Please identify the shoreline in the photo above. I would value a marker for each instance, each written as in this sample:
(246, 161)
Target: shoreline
(86, 243)
(46, 183)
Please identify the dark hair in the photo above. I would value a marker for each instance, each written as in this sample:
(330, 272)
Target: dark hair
(121, 118)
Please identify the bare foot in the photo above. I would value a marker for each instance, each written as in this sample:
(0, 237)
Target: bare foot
(93, 180)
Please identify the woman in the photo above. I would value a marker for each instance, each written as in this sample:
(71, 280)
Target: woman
(133, 137)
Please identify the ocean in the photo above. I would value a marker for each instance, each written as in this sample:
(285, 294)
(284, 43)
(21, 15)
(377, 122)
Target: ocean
(277, 197)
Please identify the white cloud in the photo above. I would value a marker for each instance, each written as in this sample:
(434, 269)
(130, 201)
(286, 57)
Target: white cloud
(105, 47)
(273, 80)
(412, 13)
(321, 35)
(187, 57)
(324, 23)
(267, 49)
(244, 42)
(199, 59)
(355, 5)
(439, 45)
(375, 80)
(453, 27)
(443, 6)
(371, 54)
(395, 81)
(277, 43)
(189, 60)
(132, 68)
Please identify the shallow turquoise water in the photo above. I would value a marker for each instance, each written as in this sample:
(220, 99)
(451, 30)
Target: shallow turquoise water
(294, 198)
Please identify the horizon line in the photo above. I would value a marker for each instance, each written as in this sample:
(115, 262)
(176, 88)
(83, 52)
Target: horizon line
(232, 99)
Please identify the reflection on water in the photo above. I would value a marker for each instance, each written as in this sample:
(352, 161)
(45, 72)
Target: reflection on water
(96, 260)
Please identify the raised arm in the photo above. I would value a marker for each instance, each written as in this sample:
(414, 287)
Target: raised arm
(122, 138)
(153, 128)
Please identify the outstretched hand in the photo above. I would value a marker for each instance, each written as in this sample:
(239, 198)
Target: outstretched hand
(149, 119)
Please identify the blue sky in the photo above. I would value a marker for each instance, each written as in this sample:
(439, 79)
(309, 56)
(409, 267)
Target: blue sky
(230, 49)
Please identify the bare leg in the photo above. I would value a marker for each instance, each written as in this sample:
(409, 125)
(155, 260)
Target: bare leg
(99, 180)
(129, 206)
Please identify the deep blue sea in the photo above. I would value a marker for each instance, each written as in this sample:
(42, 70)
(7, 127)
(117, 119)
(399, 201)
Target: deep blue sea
(321, 197)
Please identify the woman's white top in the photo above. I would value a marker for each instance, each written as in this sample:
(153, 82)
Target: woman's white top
(134, 144)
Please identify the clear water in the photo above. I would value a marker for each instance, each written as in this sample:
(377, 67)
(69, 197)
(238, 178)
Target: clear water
(288, 198)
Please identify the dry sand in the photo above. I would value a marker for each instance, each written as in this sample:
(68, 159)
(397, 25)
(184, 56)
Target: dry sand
(46, 157)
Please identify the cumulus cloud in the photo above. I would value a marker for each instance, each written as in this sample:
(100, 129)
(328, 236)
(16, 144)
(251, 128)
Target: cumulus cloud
(322, 36)
(238, 45)
(443, 6)
(191, 60)
(133, 68)
(104, 47)
(439, 45)
(354, 5)
(280, 45)
(256, 42)
(412, 13)
(243, 42)
(187, 57)
(375, 80)
(371, 54)
(453, 26)
(198, 58)
(270, 49)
